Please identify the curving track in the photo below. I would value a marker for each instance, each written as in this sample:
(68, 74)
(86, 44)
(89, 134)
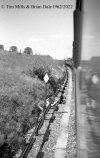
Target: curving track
(60, 149)
(45, 137)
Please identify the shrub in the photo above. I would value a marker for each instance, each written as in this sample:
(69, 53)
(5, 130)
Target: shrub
(1, 47)
(28, 50)
(13, 49)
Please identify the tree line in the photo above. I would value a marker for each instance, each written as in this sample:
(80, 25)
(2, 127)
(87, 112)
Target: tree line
(27, 50)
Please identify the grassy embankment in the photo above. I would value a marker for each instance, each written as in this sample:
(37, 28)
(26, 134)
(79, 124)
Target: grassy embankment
(22, 89)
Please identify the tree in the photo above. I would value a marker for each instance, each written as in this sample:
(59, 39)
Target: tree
(28, 50)
(68, 62)
(1, 47)
(13, 49)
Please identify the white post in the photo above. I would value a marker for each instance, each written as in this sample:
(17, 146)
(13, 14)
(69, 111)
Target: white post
(46, 78)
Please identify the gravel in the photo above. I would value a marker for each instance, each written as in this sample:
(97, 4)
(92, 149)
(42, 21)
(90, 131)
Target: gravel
(44, 147)
(45, 144)
(71, 145)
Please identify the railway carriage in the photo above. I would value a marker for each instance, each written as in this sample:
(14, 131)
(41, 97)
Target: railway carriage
(86, 56)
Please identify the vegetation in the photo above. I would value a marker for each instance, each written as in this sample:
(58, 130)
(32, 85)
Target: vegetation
(13, 49)
(69, 62)
(28, 50)
(22, 89)
(1, 47)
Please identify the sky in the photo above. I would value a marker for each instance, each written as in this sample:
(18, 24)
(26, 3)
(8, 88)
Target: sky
(48, 31)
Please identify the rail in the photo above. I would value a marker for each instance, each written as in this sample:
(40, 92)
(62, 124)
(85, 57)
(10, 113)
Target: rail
(32, 138)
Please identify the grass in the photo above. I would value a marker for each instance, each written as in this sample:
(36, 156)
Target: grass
(22, 89)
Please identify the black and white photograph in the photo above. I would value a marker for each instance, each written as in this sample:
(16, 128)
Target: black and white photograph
(49, 79)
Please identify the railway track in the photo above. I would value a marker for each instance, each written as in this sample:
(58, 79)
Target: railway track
(46, 119)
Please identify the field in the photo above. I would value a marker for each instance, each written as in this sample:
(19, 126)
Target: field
(22, 90)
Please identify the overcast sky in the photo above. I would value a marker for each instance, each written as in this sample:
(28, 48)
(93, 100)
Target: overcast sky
(46, 31)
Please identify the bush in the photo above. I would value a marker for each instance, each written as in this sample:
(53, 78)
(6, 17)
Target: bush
(13, 49)
(28, 50)
(1, 47)
(40, 72)
(16, 106)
